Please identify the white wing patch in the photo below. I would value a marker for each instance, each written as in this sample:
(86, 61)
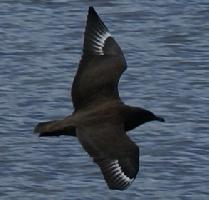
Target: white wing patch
(117, 175)
(99, 40)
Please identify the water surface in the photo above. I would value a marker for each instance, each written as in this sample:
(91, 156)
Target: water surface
(167, 51)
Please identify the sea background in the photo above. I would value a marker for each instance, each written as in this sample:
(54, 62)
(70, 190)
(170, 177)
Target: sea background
(166, 45)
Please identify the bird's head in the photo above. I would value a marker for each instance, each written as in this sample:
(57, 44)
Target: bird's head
(150, 116)
(136, 116)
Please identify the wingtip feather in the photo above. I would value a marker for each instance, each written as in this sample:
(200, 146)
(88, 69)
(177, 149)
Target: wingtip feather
(91, 10)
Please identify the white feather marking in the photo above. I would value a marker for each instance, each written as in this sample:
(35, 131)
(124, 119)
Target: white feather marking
(99, 41)
(110, 164)
(119, 180)
(95, 45)
(116, 171)
(113, 166)
(104, 37)
(122, 175)
(118, 176)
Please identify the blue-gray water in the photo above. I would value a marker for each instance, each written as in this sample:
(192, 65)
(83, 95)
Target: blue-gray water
(166, 44)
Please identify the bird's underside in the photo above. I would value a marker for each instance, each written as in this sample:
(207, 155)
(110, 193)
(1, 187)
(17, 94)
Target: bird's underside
(101, 132)
(100, 119)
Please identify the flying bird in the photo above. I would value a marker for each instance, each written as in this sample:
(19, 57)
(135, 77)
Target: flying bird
(100, 119)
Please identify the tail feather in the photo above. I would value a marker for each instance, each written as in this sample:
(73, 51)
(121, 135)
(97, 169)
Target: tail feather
(55, 128)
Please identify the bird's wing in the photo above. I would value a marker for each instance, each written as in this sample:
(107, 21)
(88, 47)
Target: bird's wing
(100, 67)
(113, 151)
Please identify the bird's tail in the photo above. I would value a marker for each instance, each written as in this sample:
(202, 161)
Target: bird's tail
(56, 128)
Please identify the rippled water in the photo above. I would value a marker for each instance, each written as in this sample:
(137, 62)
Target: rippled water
(167, 51)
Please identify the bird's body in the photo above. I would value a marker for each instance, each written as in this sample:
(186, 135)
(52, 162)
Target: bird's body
(100, 119)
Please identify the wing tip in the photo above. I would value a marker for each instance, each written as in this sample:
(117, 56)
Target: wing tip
(122, 186)
(113, 187)
(92, 11)
(113, 174)
(94, 17)
(95, 34)
(37, 128)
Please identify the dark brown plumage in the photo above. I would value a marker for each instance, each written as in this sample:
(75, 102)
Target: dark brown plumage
(100, 119)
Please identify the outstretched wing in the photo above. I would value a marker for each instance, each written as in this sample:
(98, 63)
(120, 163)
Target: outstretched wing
(101, 65)
(113, 151)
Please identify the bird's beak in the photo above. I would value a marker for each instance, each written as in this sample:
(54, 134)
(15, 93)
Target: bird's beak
(160, 119)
